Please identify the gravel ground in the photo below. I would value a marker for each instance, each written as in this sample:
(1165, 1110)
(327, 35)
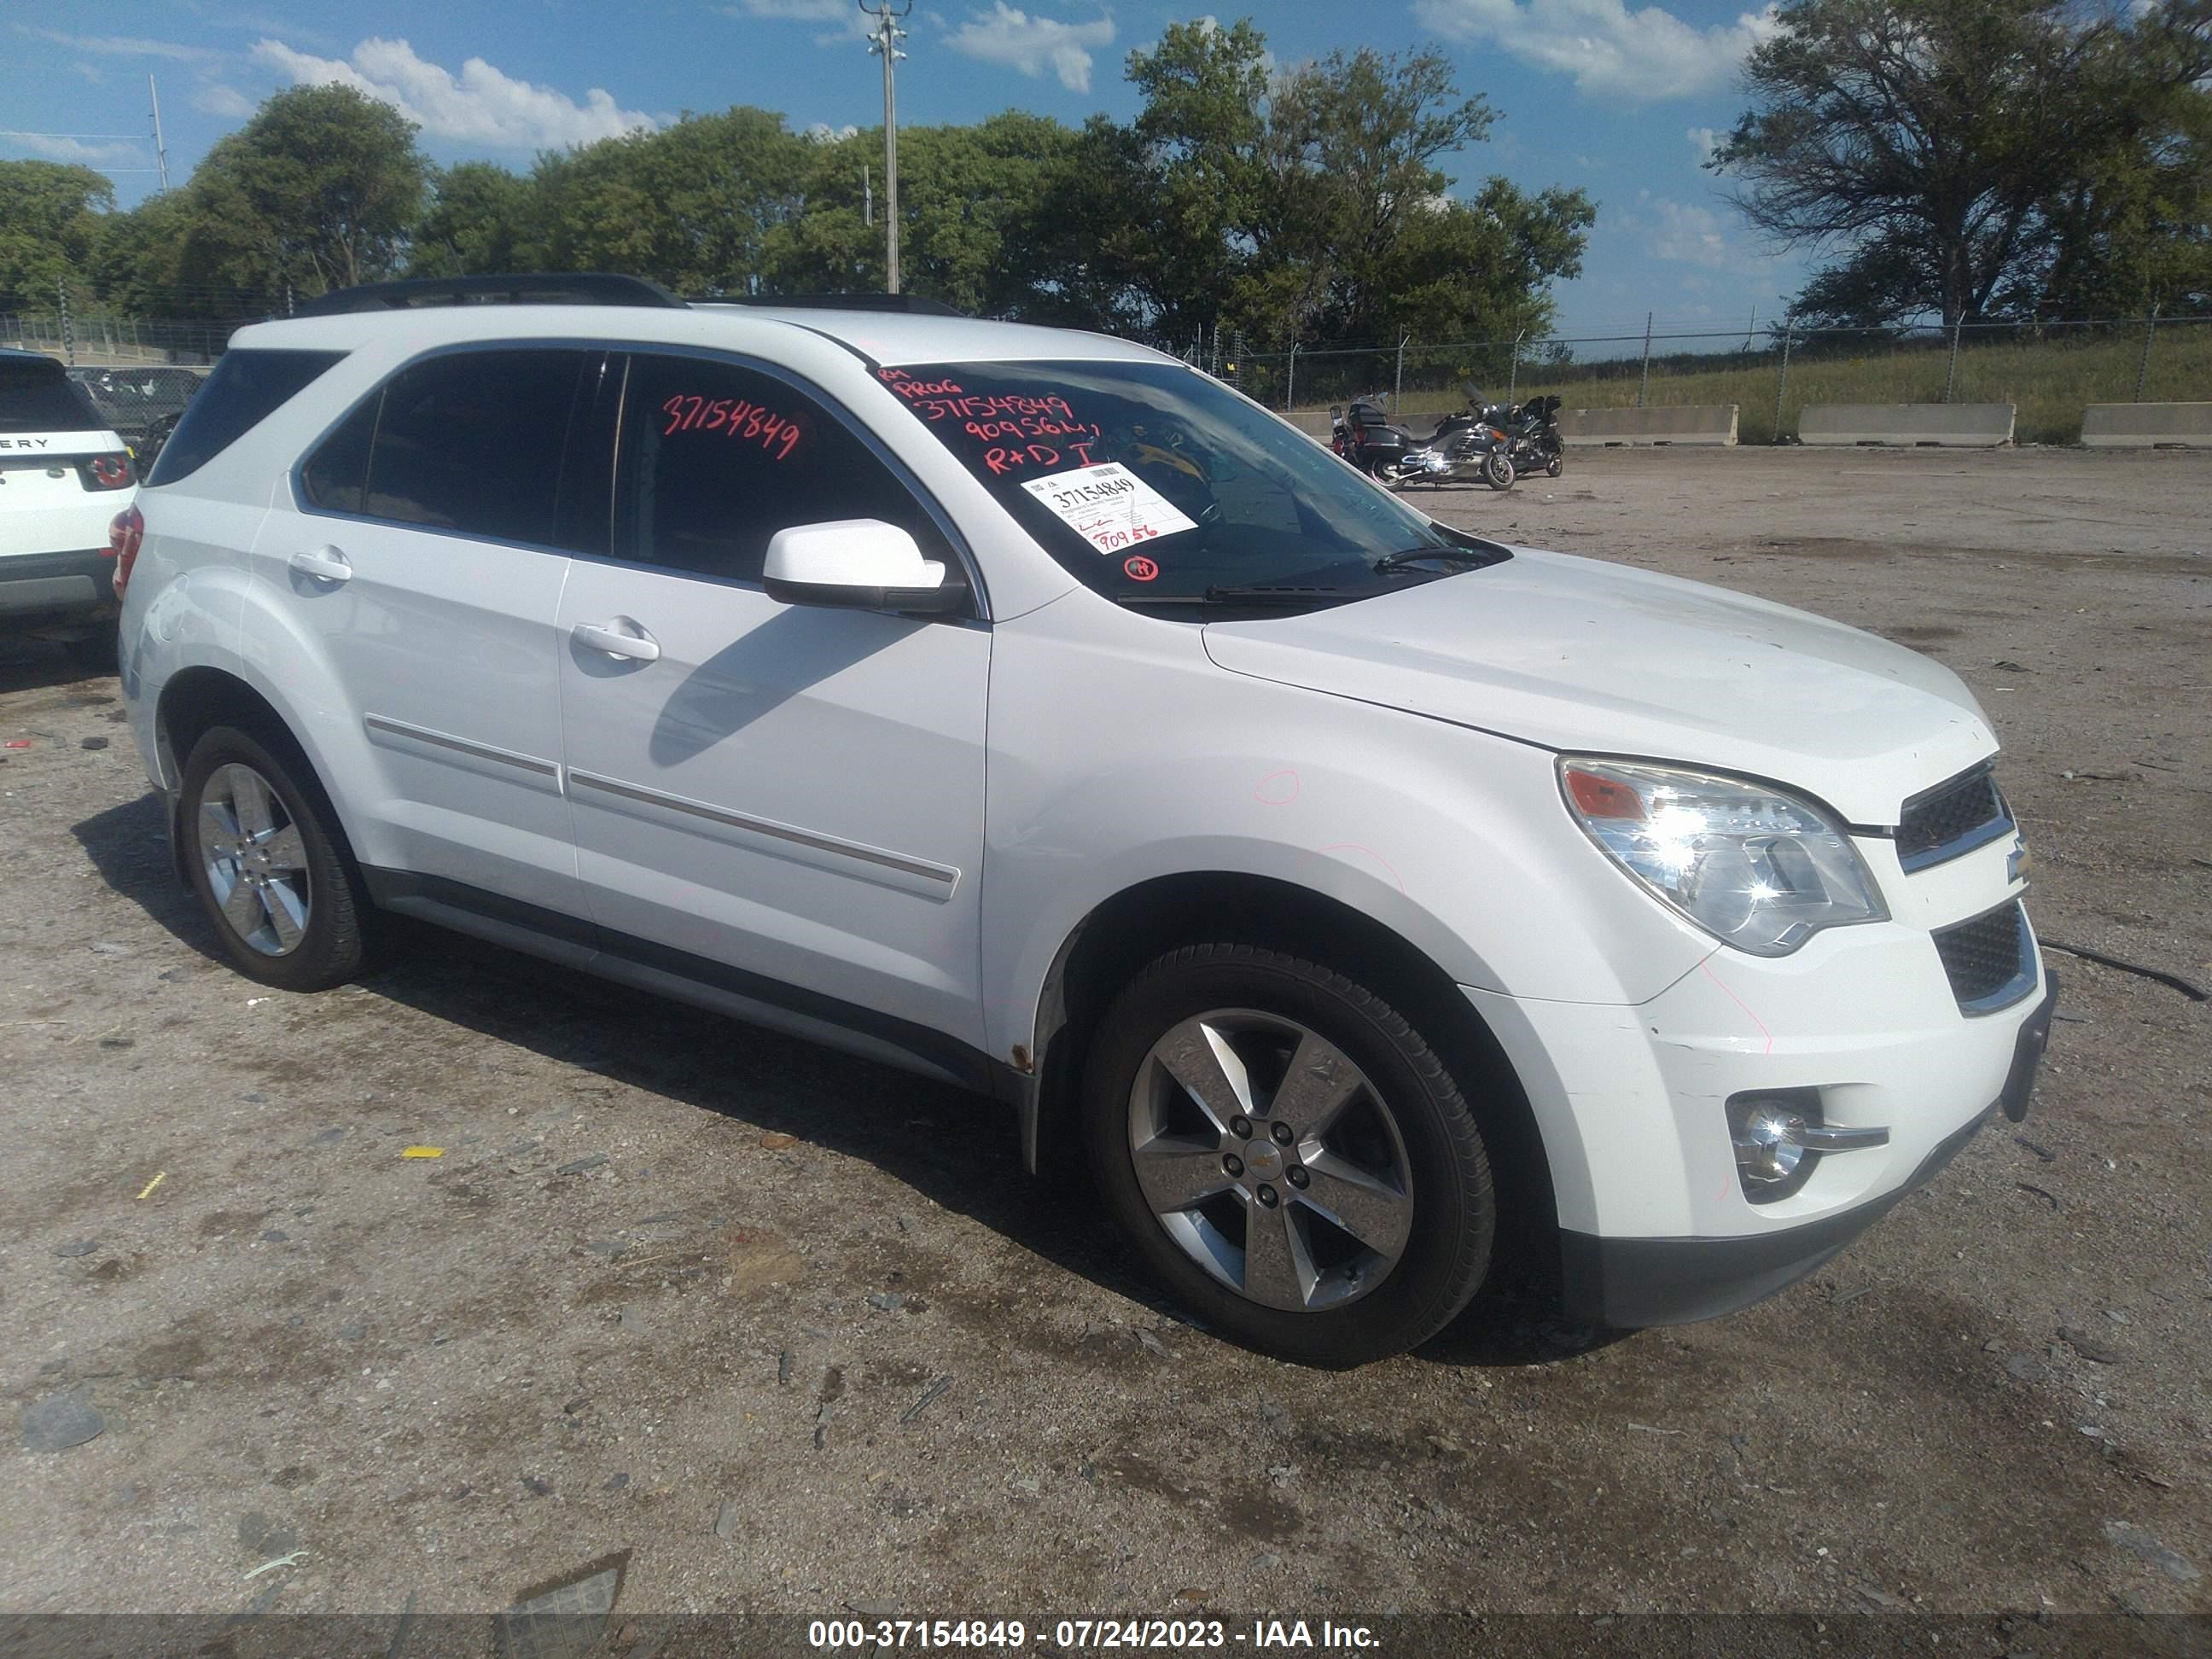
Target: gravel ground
(795, 1333)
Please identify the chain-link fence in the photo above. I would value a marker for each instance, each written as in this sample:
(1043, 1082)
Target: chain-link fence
(102, 340)
(2050, 371)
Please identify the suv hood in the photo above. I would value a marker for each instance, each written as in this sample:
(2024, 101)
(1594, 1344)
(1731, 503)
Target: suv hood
(1579, 654)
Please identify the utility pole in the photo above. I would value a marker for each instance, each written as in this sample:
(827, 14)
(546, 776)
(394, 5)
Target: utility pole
(2142, 369)
(883, 42)
(161, 150)
(1782, 384)
(1643, 385)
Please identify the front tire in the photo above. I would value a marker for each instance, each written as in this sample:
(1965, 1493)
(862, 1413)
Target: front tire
(1498, 470)
(270, 864)
(1289, 1153)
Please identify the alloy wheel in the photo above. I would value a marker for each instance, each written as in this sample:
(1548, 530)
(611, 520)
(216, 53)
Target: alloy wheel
(255, 858)
(1269, 1158)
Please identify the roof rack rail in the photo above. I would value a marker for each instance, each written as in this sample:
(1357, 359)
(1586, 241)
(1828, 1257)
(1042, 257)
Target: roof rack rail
(531, 289)
(915, 305)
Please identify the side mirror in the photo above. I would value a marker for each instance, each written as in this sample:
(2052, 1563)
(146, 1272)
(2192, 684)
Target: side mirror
(857, 564)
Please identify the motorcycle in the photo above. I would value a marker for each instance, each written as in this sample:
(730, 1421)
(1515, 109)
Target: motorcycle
(1464, 444)
(1534, 428)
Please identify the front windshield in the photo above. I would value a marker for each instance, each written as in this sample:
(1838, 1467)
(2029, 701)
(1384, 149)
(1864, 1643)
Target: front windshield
(1154, 484)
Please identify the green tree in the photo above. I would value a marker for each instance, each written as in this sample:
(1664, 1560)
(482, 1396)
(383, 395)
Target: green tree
(969, 197)
(50, 218)
(481, 219)
(1952, 155)
(1306, 204)
(1356, 190)
(691, 206)
(319, 190)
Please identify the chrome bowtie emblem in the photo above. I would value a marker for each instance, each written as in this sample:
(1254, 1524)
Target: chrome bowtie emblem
(2017, 861)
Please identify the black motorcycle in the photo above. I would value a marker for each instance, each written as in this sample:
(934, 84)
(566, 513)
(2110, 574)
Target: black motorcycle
(1534, 429)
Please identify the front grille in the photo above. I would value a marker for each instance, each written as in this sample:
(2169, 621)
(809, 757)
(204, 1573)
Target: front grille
(1989, 961)
(1955, 817)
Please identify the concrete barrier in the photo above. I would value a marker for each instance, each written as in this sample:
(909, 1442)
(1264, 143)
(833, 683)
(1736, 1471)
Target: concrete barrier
(2147, 425)
(1967, 426)
(1312, 423)
(1667, 424)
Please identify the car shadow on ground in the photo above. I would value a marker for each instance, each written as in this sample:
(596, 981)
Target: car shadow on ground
(29, 664)
(957, 1148)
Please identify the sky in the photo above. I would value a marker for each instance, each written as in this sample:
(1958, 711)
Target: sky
(1621, 100)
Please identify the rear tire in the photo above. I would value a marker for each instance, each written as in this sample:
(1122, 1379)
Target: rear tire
(270, 864)
(1289, 1154)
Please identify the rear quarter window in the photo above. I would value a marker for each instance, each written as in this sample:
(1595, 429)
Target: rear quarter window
(37, 395)
(245, 387)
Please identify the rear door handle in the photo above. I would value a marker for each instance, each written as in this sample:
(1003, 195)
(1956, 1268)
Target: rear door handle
(324, 563)
(620, 638)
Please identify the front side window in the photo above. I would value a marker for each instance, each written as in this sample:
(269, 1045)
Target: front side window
(470, 443)
(246, 388)
(1157, 485)
(717, 457)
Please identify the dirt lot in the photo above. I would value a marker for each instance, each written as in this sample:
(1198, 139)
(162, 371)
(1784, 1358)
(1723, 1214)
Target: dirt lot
(795, 1333)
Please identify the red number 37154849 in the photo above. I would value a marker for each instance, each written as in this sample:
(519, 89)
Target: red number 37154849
(687, 412)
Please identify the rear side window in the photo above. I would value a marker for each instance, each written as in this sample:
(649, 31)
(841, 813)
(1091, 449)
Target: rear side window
(716, 458)
(37, 395)
(336, 478)
(470, 443)
(245, 387)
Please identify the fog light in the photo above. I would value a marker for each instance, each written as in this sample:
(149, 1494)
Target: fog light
(1779, 1136)
(1769, 1147)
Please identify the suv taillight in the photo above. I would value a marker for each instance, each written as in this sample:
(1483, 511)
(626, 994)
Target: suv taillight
(124, 533)
(108, 472)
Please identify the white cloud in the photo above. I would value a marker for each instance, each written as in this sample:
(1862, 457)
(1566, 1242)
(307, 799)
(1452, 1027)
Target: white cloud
(845, 19)
(122, 46)
(822, 133)
(1693, 236)
(1704, 140)
(213, 98)
(59, 147)
(1610, 49)
(480, 106)
(1033, 45)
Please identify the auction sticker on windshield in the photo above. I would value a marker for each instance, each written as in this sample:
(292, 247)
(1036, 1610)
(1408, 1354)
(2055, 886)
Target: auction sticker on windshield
(1109, 505)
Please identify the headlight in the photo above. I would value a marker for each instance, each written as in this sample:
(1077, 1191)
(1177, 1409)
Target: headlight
(1755, 867)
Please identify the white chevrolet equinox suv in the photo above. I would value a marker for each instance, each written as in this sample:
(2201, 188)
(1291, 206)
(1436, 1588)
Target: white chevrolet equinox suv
(1028, 709)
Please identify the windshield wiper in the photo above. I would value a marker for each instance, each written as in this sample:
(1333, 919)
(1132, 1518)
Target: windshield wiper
(1415, 554)
(1256, 594)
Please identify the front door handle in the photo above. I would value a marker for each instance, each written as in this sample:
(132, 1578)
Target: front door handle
(620, 638)
(324, 563)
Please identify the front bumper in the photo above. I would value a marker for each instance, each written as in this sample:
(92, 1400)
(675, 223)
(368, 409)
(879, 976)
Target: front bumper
(56, 587)
(1631, 1105)
(1627, 1283)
